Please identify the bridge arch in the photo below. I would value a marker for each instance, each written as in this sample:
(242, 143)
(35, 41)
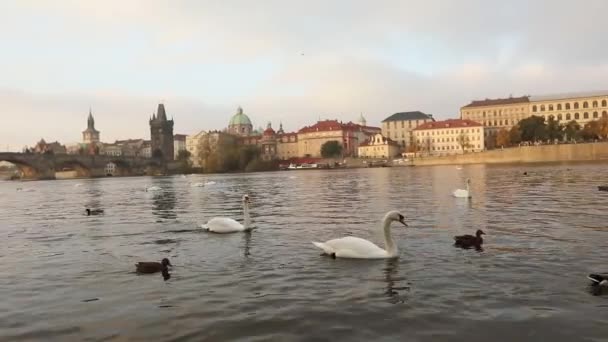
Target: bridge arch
(75, 167)
(27, 169)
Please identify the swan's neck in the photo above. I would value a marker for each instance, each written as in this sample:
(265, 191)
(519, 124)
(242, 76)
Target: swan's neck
(391, 248)
(246, 216)
(467, 187)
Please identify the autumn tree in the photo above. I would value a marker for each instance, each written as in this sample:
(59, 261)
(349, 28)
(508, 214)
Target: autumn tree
(591, 131)
(464, 141)
(603, 123)
(503, 138)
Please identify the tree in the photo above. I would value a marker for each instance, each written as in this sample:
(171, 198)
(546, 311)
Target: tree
(463, 141)
(331, 149)
(183, 157)
(591, 131)
(503, 138)
(603, 122)
(533, 128)
(515, 135)
(571, 130)
(555, 131)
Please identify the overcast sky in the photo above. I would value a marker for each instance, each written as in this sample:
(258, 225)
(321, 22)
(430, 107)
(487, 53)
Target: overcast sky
(289, 61)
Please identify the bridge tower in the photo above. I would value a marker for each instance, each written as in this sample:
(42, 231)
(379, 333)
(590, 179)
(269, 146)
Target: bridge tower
(90, 135)
(161, 134)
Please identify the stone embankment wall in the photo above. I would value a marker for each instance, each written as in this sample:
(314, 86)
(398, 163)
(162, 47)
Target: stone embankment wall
(525, 154)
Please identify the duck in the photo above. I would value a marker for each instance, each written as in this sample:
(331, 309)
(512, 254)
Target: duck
(357, 248)
(599, 279)
(94, 211)
(223, 225)
(153, 267)
(468, 241)
(603, 188)
(461, 193)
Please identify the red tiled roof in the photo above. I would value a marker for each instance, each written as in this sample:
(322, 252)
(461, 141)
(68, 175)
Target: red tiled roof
(494, 102)
(451, 123)
(269, 131)
(335, 125)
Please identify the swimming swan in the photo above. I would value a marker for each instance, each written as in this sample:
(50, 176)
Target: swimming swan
(354, 247)
(463, 193)
(224, 225)
(154, 188)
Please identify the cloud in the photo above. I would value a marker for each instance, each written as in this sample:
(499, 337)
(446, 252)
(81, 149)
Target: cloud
(282, 61)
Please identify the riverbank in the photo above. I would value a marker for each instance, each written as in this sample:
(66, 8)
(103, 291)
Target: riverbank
(524, 154)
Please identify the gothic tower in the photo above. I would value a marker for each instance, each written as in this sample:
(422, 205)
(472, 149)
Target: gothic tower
(161, 134)
(90, 135)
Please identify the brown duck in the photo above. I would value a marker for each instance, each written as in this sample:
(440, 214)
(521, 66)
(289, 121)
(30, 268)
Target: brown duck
(153, 267)
(468, 241)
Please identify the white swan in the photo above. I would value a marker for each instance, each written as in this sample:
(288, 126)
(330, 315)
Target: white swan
(227, 225)
(210, 183)
(154, 188)
(197, 185)
(463, 193)
(354, 247)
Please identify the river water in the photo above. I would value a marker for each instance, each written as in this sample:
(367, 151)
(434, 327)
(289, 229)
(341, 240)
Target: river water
(66, 276)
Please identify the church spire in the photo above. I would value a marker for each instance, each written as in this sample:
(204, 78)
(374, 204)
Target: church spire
(90, 120)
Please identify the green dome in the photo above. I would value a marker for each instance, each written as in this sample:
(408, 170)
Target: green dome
(239, 118)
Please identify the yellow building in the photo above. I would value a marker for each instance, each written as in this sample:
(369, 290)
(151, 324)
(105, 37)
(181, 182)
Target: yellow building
(495, 114)
(399, 126)
(454, 136)
(378, 146)
(348, 135)
(581, 107)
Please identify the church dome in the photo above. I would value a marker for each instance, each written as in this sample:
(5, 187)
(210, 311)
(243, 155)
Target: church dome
(239, 118)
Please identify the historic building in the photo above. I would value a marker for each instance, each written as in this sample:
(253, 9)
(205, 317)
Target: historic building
(54, 147)
(378, 146)
(453, 136)
(399, 126)
(240, 124)
(495, 114)
(161, 134)
(581, 107)
(348, 135)
(90, 135)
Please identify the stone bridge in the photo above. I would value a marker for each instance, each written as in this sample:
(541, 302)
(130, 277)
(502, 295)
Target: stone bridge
(44, 166)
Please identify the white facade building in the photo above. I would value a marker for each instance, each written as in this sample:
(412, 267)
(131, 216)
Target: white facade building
(454, 136)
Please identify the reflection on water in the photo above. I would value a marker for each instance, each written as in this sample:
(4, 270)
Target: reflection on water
(65, 275)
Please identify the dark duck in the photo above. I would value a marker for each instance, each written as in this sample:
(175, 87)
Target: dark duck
(153, 267)
(468, 241)
(599, 279)
(94, 211)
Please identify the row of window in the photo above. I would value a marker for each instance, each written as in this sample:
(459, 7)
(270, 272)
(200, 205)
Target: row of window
(559, 117)
(452, 131)
(575, 105)
(497, 112)
(452, 139)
